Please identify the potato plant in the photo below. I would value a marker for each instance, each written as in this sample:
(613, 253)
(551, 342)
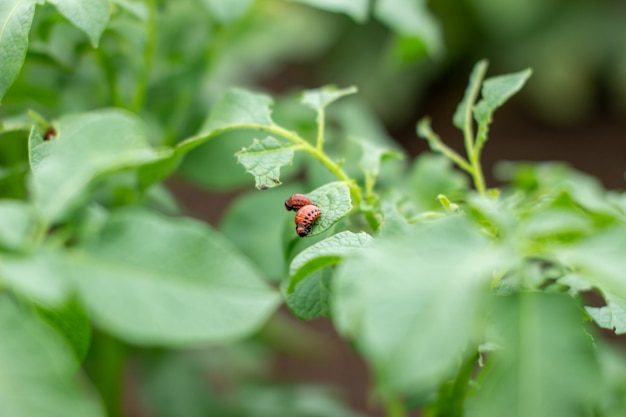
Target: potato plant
(464, 300)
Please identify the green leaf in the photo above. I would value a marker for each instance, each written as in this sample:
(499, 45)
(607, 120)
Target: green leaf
(17, 224)
(319, 98)
(356, 9)
(90, 16)
(239, 107)
(334, 201)
(372, 157)
(536, 370)
(311, 298)
(478, 72)
(16, 17)
(38, 370)
(228, 12)
(155, 280)
(612, 316)
(263, 159)
(41, 276)
(413, 22)
(89, 144)
(410, 301)
(325, 253)
(496, 91)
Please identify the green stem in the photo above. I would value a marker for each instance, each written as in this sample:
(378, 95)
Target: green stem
(468, 131)
(107, 375)
(321, 122)
(314, 151)
(139, 94)
(451, 397)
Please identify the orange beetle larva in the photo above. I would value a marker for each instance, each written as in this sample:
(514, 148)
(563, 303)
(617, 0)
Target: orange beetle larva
(305, 217)
(297, 201)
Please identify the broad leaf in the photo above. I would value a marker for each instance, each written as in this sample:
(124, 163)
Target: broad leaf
(410, 301)
(263, 159)
(536, 370)
(38, 370)
(90, 16)
(322, 97)
(334, 201)
(155, 280)
(16, 17)
(356, 9)
(89, 144)
(325, 253)
(612, 316)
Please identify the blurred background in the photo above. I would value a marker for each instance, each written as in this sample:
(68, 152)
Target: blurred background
(169, 61)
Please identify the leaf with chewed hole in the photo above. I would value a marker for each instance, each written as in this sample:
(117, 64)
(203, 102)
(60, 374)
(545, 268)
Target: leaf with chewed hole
(263, 159)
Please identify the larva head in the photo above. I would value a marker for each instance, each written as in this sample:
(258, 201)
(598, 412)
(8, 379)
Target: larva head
(297, 201)
(305, 217)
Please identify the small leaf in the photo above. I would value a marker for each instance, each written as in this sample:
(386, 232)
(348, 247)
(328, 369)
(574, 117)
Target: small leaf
(334, 201)
(413, 22)
(612, 316)
(16, 17)
(17, 224)
(239, 107)
(263, 159)
(496, 91)
(372, 157)
(90, 16)
(325, 253)
(38, 370)
(532, 373)
(356, 9)
(478, 72)
(322, 97)
(152, 280)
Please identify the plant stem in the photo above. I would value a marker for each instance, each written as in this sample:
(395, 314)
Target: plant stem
(473, 152)
(321, 122)
(139, 94)
(108, 358)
